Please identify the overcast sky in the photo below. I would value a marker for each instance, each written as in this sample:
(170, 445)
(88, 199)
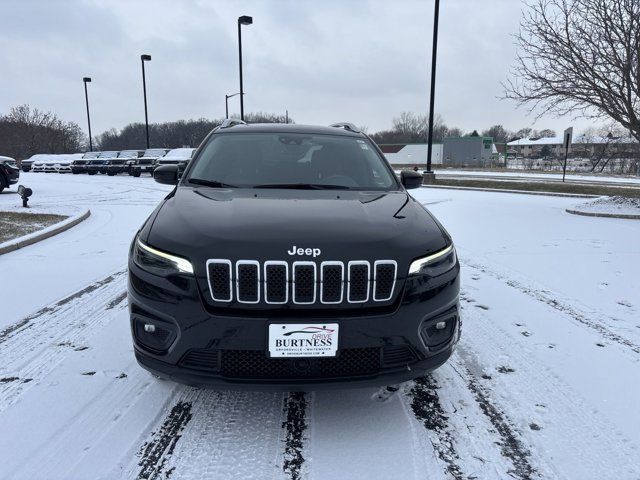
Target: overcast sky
(359, 61)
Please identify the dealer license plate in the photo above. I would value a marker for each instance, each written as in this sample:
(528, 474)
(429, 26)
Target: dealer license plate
(303, 339)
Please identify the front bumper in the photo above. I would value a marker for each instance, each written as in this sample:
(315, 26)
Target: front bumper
(13, 175)
(230, 352)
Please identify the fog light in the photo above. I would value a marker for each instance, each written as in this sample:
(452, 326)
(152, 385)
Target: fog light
(440, 325)
(149, 328)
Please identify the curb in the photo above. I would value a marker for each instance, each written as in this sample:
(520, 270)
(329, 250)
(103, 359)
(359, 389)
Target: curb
(522, 192)
(43, 234)
(629, 216)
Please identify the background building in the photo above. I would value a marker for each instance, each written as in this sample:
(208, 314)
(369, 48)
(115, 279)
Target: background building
(411, 154)
(468, 151)
(585, 146)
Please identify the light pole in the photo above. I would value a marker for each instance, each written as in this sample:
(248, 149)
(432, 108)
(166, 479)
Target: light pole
(434, 54)
(226, 103)
(86, 80)
(243, 20)
(145, 58)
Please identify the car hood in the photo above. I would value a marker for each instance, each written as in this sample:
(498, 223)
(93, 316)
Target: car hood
(204, 223)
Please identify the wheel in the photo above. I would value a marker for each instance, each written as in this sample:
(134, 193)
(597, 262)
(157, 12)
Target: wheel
(136, 174)
(111, 174)
(91, 173)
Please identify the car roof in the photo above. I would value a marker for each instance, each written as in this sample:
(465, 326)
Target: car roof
(288, 128)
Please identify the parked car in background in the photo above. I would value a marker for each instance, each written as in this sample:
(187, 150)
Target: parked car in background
(9, 172)
(26, 164)
(49, 165)
(63, 162)
(80, 165)
(99, 165)
(147, 162)
(36, 162)
(123, 162)
(177, 156)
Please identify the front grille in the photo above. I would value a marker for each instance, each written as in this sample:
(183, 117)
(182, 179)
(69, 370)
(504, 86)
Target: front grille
(255, 364)
(302, 282)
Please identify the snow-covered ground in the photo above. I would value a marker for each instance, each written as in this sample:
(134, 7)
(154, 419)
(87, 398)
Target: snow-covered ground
(543, 385)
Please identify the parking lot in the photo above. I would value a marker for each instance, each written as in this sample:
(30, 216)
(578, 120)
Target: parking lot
(541, 385)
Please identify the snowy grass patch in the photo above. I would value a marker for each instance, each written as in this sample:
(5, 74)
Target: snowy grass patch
(18, 224)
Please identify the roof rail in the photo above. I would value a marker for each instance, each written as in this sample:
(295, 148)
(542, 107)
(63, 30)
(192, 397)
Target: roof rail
(347, 126)
(231, 122)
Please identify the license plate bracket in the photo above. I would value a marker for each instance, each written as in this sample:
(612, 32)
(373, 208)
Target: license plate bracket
(294, 340)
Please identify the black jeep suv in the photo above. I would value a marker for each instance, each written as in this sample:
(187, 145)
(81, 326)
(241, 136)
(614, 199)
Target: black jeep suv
(291, 257)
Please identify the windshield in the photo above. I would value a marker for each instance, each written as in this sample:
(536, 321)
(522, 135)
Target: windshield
(154, 152)
(108, 154)
(128, 154)
(270, 160)
(179, 154)
(91, 155)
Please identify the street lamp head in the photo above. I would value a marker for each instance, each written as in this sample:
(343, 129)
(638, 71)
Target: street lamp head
(86, 79)
(145, 57)
(245, 20)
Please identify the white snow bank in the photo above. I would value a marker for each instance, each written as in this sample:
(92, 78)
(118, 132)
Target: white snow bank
(611, 206)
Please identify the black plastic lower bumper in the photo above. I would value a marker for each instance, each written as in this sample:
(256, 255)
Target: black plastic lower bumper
(390, 376)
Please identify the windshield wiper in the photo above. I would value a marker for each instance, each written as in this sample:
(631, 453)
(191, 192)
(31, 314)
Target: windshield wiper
(302, 186)
(210, 183)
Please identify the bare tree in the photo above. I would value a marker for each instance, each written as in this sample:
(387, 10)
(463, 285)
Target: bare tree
(580, 57)
(25, 131)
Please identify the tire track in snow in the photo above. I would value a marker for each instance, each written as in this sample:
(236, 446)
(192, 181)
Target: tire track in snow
(426, 407)
(35, 345)
(511, 445)
(560, 306)
(154, 453)
(26, 322)
(295, 425)
(215, 434)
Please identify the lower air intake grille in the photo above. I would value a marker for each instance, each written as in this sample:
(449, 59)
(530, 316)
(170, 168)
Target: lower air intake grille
(398, 355)
(205, 360)
(255, 364)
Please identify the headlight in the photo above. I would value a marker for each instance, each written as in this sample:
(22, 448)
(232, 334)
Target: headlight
(435, 264)
(157, 262)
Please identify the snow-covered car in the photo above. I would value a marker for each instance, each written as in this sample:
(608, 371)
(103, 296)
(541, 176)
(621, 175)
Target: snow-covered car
(123, 163)
(9, 172)
(26, 164)
(147, 162)
(63, 162)
(99, 165)
(80, 165)
(37, 161)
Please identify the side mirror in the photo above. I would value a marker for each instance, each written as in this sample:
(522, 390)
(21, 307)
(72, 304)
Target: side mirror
(410, 179)
(166, 174)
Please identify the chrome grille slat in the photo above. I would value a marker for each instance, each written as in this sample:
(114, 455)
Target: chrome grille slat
(248, 281)
(278, 282)
(276, 278)
(331, 282)
(384, 279)
(304, 283)
(359, 281)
